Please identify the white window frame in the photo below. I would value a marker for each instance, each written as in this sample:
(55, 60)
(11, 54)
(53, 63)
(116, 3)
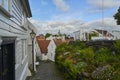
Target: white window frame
(3, 8)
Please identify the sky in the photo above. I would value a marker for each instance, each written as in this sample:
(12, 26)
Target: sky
(50, 16)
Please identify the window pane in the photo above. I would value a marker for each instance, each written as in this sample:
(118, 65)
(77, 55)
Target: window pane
(6, 4)
(0, 2)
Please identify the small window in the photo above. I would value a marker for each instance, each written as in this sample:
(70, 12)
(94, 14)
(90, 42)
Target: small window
(23, 49)
(0, 2)
(6, 5)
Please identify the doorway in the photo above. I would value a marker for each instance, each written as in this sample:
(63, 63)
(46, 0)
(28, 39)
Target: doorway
(7, 60)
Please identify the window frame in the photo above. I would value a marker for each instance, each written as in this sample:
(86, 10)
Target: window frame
(4, 10)
(1, 2)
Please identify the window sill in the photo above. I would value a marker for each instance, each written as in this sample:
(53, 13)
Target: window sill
(5, 12)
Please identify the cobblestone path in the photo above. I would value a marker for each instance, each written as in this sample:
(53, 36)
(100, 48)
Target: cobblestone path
(46, 71)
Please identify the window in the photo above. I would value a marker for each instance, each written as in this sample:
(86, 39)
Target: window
(0, 2)
(6, 4)
(23, 49)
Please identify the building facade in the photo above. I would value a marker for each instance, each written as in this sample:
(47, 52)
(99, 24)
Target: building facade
(14, 39)
(82, 35)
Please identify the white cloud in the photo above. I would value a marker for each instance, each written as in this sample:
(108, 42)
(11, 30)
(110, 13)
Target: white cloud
(55, 26)
(104, 3)
(61, 5)
(98, 5)
(108, 24)
(72, 15)
(74, 25)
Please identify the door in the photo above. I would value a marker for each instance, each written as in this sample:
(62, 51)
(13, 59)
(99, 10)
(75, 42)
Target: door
(7, 60)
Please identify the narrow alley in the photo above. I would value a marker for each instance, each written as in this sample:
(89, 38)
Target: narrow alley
(46, 71)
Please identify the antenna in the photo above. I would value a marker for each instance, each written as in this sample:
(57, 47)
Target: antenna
(102, 15)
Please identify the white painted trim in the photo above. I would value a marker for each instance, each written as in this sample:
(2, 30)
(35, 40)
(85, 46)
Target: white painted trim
(0, 42)
(24, 59)
(16, 66)
(25, 72)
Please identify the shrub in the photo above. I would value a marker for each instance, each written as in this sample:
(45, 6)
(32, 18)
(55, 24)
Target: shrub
(117, 46)
(76, 61)
(103, 73)
(103, 55)
(81, 66)
(70, 71)
(87, 54)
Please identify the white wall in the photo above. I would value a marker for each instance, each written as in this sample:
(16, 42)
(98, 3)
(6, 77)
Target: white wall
(11, 26)
(116, 34)
(44, 57)
(51, 50)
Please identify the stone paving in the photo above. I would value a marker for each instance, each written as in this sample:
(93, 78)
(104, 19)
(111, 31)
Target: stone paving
(47, 71)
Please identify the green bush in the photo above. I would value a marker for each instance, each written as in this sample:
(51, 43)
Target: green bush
(87, 54)
(117, 46)
(103, 55)
(103, 73)
(77, 60)
(70, 70)
(81, 66)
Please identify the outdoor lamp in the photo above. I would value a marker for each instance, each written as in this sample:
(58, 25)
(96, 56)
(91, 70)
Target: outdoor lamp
(32, 34)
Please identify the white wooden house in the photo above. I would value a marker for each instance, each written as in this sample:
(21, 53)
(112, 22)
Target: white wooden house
(14, 39)
(116, 34)
(48, 47)
(82, 35)
(51, 50)
(43, 47)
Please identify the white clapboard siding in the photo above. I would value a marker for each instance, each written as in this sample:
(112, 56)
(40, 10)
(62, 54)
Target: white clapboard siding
(16, 11)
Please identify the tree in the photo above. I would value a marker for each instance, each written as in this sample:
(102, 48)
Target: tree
(117, 16)
(47, 35)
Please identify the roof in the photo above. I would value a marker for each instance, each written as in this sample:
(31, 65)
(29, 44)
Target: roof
(69, 39)
(27, 7)
(43, 45)
(104, 32)
(58, 41)
(40, 37)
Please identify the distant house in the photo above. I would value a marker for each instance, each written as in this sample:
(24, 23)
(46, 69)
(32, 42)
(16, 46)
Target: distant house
(56, 37)
(82, 35)
(43, 45)
(68, 39)
(47, 49)
(40, 37)
(14, 39)
(58, 42)
(116, 34)
(48, 46)
(51, 50)
(103, 35)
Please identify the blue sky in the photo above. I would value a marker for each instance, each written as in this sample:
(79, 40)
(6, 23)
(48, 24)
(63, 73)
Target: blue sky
(62, 11)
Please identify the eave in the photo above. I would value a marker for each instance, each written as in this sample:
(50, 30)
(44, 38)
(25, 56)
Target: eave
(27, 8)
